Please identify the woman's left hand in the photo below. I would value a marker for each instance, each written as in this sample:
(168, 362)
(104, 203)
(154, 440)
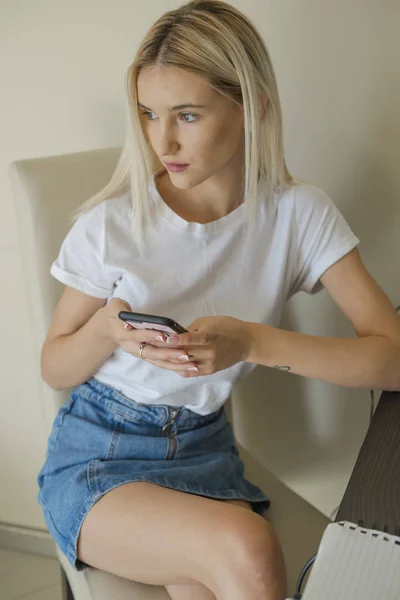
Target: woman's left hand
(213, 343)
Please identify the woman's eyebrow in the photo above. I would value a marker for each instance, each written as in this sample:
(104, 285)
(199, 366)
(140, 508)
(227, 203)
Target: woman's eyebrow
(179, 107)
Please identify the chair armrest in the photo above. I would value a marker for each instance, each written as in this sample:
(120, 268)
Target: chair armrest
(372, 496)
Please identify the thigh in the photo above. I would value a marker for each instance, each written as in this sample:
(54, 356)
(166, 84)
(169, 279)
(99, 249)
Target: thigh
(139, 525)
(198, 591)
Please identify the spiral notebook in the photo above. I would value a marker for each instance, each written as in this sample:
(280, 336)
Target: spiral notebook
(355, 563)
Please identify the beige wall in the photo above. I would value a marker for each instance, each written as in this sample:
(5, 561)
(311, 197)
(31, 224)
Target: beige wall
(62, 73)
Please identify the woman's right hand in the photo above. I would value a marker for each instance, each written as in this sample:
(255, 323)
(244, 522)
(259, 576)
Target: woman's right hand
(129, 339)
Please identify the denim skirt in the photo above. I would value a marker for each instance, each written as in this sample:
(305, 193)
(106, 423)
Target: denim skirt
(101, 439)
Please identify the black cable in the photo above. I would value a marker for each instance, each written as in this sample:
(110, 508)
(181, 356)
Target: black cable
(301, 577)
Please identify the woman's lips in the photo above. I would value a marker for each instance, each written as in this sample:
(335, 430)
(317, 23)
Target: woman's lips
(175, 167)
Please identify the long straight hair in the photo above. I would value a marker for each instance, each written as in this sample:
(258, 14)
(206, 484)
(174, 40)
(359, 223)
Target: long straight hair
(212, 39)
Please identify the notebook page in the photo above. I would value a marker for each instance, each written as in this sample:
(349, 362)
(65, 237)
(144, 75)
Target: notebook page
(352, 565)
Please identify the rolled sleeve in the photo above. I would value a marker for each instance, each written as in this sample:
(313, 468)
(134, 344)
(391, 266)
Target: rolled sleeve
(82, 263)
(322, 238)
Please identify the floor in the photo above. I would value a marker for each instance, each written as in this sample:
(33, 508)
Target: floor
(29, 576)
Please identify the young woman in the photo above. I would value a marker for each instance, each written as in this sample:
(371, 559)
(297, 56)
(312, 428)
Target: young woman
(142, 477)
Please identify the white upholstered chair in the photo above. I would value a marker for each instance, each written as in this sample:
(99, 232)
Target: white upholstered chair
(46, 191)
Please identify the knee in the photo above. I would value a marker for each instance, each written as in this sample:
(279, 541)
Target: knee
(254, 550)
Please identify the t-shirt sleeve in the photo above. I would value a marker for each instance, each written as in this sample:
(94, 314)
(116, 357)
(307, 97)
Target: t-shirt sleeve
(82, 263)
(322, 237)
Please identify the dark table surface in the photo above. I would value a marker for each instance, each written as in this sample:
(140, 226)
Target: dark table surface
(372, 496)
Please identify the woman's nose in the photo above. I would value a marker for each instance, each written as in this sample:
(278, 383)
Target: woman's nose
(167, 143)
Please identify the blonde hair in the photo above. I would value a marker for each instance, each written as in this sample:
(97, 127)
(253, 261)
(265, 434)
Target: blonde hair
(213, 39)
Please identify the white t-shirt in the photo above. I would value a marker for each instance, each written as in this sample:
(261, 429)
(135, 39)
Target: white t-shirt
(194, 270)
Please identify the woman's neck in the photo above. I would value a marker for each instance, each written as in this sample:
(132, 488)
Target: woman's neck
(191, 208)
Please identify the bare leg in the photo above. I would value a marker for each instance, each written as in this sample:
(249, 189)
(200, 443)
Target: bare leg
(191, 539)
(197, 591)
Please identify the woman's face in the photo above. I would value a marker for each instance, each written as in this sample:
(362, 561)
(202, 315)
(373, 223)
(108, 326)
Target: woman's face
(208, 137)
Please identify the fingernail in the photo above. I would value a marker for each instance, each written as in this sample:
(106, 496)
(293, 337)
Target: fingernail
(160, 338)
(183, 357)
(173, 339)
(192, 369)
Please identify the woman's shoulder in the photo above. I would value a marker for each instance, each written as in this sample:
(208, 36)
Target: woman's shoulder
(105, 211)
(118, 208)
(108, 215)
(300, 192)
(301, 199)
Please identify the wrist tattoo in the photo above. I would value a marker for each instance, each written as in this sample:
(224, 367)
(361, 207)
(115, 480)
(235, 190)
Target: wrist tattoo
(281, 368)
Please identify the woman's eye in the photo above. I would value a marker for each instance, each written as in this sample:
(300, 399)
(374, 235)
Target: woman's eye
(190, 115)
(147, 113)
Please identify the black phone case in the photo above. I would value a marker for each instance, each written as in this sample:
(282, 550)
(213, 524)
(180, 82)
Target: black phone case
(151, 319)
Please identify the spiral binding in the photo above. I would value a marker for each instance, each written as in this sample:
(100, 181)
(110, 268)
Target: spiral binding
(379, 531)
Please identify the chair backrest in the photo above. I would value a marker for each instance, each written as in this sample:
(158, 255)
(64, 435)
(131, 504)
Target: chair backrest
(46, 191)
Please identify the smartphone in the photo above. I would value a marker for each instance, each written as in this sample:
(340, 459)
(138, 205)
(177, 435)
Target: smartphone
(143, 321)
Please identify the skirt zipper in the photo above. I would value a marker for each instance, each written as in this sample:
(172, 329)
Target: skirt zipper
(173, 413)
